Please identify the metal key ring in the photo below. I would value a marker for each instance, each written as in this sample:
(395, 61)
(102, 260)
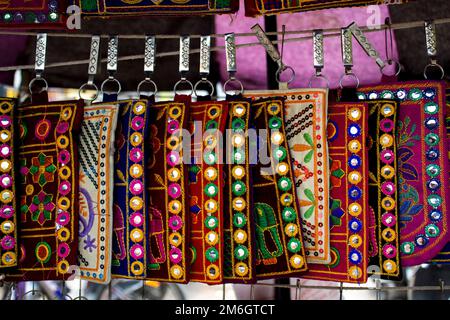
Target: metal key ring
(80, 298)
(87, 85)
(283, 69)
(183, 80)
(147, 80)
(33, 292)
(110, 79)
(398, 68)
(351, 75)
(319, 76)
(204, 81)
(45, 88)
(241, 91)
(433, 65)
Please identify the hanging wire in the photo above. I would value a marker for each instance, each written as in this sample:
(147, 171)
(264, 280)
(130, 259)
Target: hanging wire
(332, 32)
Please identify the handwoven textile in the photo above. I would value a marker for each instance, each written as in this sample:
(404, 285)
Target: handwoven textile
(349, 193)
(130, 212)
(305, 112)
(281, 250)
(167, 173)
(49, 204)
(8, 194)
(96, 191)
(422, 166)
(32, 13)
(239, 226)
(155, 7)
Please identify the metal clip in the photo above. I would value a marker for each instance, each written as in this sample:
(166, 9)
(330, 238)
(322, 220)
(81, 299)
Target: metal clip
(205, 61)
(272, 52)
(39, 66)
(92, 68)
(113, 51)
(366, 45)
(230, 52)
(431, 43)
(347, 56)
(183, 67)
(318, 57)
(149, 65)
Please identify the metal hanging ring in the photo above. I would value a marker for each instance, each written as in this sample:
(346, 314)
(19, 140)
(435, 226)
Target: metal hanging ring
(209, 83)
(33, 293)
(184, 80)
(151, 82)
(111, 80)
(351, 75)
(320, 77)
(398, 68)
(88, 85)
(44, 88)
(283, 69)
(433, 65)
(241, 91)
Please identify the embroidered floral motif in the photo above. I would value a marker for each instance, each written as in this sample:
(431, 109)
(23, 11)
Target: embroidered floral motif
(42, 169)
(423, 220)
(96, 187)
(306, 134)
(348, 196)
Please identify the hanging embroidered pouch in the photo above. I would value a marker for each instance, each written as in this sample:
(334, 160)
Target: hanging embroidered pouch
(96, 191)
(207, 122)
(444, 255)
(384, 247)
(32, 13)
(279, 241)
(305, 112)
(239, 223)
(130, 218)
(268, 7)
(349, 190)
(48, 187)
(167, 187)
(158, 7)
(8, 193)
(422, 166)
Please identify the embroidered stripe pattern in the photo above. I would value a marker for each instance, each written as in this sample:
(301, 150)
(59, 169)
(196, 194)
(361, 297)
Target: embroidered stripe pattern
(238, 231)
(384, 250)
(206, 191)
(306, 124)
(96, 187)
(130, 199)
(48, 158)
(167, 194)
(422, 167)
(8, 217)
(278, 233)
(347, 134)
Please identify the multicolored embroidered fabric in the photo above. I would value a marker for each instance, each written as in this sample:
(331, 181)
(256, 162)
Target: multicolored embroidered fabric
(156, 7)
(32, 13)
(96, 191)
(267, 7)
(349, 161)
(422, 166)
(130, 221)
(306, 125)
(444, 255)
(167, 187)
(384, 247)
(8, 212)
(207, 121)
(238, 224)
(49, 206)
(281, 252)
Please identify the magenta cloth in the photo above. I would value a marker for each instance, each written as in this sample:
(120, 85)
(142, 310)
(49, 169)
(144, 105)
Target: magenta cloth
(251, 61)
(422, 166)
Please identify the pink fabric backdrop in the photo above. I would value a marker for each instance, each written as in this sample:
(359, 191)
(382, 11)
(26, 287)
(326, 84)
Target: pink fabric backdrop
(251, 61)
